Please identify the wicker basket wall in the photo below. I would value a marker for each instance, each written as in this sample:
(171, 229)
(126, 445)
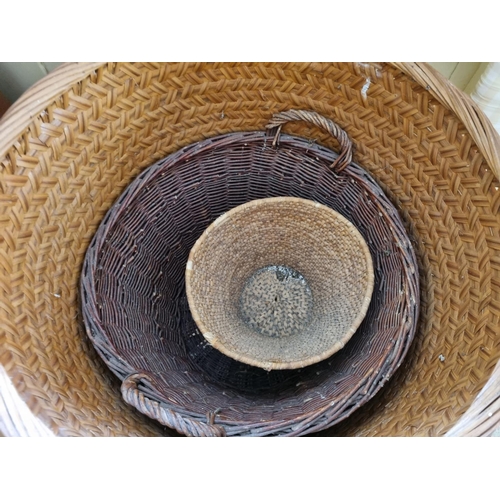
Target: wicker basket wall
(71, 145)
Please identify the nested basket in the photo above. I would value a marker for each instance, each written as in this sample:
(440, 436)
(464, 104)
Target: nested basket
(75, 141)
(133, 286)
(279, 283)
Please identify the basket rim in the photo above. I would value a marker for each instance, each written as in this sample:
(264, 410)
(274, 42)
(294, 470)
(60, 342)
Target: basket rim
(218, 343)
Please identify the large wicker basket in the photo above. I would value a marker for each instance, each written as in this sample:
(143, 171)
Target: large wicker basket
(135, 308)
(75, 141)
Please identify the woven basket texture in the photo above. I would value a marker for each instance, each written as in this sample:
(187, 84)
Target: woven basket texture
(255, 310)
(136, 310)
(76, 140)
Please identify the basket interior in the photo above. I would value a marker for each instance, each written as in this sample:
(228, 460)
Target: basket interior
(255, 310)
(77, 140)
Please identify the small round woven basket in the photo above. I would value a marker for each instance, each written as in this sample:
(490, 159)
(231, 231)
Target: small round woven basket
(279, 283)
(72, 145)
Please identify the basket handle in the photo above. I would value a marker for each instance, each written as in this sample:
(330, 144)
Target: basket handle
(345, 155)
(134, 397)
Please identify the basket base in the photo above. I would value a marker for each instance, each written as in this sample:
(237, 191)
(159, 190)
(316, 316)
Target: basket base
(276, 301)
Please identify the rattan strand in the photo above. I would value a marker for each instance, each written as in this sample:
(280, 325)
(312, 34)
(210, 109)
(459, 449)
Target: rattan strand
(75, 141)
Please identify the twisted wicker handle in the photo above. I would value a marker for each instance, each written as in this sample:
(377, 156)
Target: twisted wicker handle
(345, 155)
(153, 409)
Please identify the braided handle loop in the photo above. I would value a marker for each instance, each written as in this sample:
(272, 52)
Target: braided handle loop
(345, 155)
(134, 397)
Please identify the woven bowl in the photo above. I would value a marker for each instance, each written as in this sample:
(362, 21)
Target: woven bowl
(279, 283)
(73, 144)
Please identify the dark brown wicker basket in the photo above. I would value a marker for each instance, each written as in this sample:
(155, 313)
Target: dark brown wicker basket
(136, 312)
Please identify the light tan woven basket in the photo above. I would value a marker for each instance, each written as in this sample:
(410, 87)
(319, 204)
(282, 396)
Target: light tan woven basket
(275, 320)
(71, 145)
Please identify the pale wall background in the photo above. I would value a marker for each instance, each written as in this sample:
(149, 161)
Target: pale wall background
(16, 77)
(464, 75)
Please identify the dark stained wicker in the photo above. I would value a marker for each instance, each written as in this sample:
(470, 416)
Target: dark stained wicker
(136, 312)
